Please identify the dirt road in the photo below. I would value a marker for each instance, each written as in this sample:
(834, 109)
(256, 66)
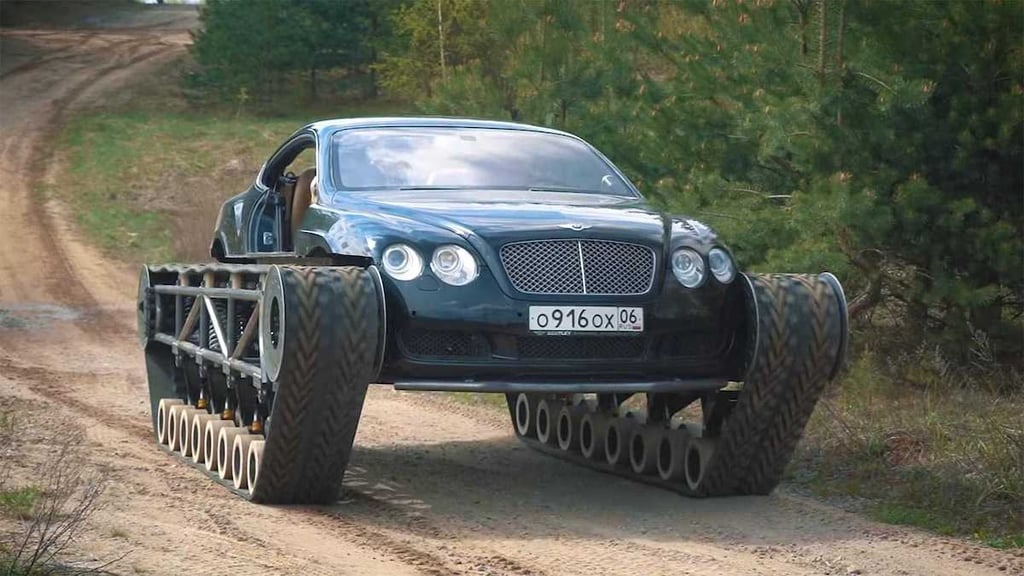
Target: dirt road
(425, 494)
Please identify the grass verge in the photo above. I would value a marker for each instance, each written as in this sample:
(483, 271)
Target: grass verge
(939, 456)
(42, 519)
(146, 173)
(19, 502)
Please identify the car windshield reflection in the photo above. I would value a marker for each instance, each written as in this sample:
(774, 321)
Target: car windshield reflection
(428, 158)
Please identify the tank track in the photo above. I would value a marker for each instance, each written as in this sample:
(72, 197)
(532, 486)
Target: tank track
(746, 436)
(257, 374)
(257, 377)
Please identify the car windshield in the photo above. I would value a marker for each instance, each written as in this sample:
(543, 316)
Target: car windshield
(452, 158)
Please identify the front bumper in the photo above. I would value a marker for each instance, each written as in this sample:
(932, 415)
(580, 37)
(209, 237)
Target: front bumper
(473, 334)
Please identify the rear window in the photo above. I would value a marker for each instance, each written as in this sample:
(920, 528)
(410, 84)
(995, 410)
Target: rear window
(432, 158)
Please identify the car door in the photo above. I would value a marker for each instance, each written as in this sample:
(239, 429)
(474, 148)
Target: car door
(267, 210)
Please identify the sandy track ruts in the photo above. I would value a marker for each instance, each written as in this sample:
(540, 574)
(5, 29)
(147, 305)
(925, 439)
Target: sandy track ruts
(425, 493)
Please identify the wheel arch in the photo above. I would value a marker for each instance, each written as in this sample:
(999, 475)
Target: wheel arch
(313, 245)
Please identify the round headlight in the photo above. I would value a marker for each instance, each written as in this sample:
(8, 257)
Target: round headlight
(454, 265)
(688, 266)
(402, 262)
(721, 265)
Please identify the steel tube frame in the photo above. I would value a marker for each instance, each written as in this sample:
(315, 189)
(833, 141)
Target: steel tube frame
(202, 316)
(233, 293)
(241, 366)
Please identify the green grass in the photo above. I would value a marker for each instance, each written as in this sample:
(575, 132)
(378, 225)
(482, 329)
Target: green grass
(1002, 542)
(19, 502)
(892, 513)
(147, 185)
(130, 175)
(930, 454)
(146, 175)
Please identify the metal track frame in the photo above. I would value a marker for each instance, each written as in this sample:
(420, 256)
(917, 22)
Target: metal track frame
(186, 328)
(799, 337)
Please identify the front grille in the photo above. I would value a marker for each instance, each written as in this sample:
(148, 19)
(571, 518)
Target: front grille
(581, 347)
(579, 267)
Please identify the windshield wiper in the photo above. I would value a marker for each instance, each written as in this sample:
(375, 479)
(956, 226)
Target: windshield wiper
(564, 189)
(407, 188)
(508, 188)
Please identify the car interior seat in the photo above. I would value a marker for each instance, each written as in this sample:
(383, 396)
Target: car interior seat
(286, 189)
(302, 198)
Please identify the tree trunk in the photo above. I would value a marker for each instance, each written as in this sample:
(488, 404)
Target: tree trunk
(440, 42)
(543, 46)
(822, 35)
(840, 30)
(802, 9)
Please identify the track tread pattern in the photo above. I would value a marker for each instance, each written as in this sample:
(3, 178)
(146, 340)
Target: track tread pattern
(331, 328)
(800, 338)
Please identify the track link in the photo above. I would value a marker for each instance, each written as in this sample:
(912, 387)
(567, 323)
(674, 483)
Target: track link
(796, 342)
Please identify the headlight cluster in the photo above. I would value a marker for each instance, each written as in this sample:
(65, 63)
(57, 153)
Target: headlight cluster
(450, 263)
(402, 262)
(721, 265)
(688, 266)
(454, 265)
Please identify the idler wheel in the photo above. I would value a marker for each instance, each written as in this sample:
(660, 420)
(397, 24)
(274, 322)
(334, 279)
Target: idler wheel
(185, 418)
(225, 444)
(643, 449)
(210, 435)
(547, 421)
(698, 455)
(240, 457)
(252, 462)
(567, 429)
(196, 436)
(616, 440)
(524, 415)
(173, 426)
(592, 435)
(671, 454)
(162, 414)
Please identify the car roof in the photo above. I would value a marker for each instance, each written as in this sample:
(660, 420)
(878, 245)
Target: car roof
(326, 126)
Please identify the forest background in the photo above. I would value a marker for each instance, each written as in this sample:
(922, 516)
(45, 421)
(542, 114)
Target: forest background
(877, 139)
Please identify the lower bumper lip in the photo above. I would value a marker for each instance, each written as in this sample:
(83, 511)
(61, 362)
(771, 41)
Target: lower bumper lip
(567, 387)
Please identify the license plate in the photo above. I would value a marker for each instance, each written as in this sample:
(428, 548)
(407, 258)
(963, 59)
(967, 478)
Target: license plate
(586, 319)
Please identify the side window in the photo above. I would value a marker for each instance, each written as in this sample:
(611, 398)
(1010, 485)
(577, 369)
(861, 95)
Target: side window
(291, 175)
(304, 161)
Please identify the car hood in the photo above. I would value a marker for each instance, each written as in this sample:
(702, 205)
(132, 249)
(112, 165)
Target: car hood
(501, 217)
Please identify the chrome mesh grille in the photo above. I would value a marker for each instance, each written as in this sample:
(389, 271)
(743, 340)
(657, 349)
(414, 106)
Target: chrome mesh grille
(578, 267)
